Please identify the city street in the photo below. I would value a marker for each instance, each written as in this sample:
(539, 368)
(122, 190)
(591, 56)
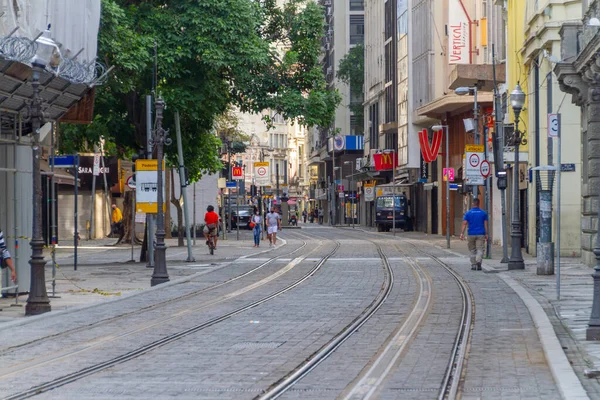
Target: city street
(330, 313)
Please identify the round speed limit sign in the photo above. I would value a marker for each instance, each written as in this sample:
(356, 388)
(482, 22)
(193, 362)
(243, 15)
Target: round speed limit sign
(261, 171)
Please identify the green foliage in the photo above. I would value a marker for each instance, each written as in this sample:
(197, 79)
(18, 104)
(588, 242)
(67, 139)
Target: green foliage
(352, 72)
(211, 55)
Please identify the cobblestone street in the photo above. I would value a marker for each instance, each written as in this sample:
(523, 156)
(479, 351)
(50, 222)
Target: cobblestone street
(329, 313)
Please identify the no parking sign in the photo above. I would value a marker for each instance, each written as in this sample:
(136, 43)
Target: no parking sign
(475, 158)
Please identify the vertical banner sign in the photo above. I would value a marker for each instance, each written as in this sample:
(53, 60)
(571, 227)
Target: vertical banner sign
(96, 169)
(423, 171)
(146, 187)
(459, 33)
(262, 175)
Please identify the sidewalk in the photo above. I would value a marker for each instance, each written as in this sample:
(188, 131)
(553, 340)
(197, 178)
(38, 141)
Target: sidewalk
(105, 272)
(569, 315)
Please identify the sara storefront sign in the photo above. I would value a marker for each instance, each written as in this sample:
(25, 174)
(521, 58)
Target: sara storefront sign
(459, 33)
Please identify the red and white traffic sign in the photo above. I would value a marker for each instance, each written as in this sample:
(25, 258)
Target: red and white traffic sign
(474, 159)
(485, 169)
(237, 172)
(130, 182)
(261, 174)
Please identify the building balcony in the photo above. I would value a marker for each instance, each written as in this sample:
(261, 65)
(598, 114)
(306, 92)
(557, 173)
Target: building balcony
(481, 74)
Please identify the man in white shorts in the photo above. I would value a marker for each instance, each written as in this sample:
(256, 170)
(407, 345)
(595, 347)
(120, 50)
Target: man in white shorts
(273, 225)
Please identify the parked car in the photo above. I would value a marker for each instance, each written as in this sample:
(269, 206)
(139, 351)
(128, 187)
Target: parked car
(245, 216)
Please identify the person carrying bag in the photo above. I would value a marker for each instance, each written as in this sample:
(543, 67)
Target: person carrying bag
(255, 224)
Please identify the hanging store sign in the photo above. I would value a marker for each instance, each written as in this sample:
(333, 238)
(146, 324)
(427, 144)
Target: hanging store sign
(459, 33)
(385, 161)
(430, 150)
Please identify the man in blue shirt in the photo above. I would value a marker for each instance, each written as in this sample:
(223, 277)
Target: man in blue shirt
(477, 221)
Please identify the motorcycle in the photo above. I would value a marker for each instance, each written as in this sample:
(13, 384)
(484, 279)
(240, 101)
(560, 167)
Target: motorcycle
(293, 221)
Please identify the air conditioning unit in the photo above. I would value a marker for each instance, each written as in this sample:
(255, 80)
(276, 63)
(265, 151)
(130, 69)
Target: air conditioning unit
(327, 3)
(329, 70)
(359, 164)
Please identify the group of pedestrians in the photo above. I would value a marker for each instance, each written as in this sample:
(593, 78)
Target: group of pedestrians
(273, 223)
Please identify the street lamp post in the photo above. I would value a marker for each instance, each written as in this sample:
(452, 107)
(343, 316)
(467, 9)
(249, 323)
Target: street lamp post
(38, 302)
(352, 199)
(437, 128)
(160, 139)
(517, 101)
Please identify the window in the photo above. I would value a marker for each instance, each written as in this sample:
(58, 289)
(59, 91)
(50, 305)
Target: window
(278, 140)
(402, 17)
(277, 118)
(357, 29)
(357, 5)
(374, 126)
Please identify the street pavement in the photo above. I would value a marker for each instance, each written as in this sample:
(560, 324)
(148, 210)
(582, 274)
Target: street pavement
(106, 309)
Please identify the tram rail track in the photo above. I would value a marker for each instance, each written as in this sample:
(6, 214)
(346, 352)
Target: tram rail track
(156, 306)
(281, 386)
(370, 382)
(99, 367)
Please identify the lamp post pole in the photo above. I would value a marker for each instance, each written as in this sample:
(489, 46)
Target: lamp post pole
(160, 139)
(394, 192)
(517, 98)
(447, 189)
(37, 302)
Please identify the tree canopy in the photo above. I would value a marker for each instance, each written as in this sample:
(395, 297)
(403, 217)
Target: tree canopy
(352, 72)
(210, 55)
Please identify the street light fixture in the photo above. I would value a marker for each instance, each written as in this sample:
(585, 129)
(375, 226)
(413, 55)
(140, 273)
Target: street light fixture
(437, 128)
(517, 101)
(352, 199)
(38, 302)
(160, 138)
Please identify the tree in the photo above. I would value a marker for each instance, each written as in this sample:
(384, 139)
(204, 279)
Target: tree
(352, 72)
(210, 55)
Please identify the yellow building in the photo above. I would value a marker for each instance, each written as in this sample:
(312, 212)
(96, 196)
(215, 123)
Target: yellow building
(534, 49)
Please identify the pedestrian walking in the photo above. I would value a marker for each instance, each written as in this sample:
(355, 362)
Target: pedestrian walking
(117, 222)
(5, 258)
(257, 229)
(477, 221)
(304, 215)
(273, 225)
(320, 214)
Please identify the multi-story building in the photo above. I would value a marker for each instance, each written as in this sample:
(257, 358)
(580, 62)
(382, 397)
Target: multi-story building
(330, 159)
(539, 48)
(283, 147)
(576, 69)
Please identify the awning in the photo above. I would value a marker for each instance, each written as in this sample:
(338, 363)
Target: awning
(452, 103)
(64, 100)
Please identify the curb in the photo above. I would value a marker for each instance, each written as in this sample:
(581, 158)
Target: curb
(568, 383)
